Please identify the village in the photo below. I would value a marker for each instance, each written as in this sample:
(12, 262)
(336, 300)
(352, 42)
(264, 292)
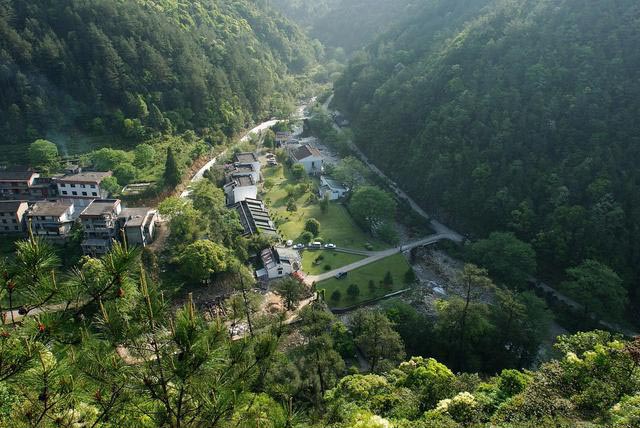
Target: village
(275, 191)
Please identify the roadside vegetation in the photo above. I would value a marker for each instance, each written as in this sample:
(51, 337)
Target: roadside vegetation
(368, 282)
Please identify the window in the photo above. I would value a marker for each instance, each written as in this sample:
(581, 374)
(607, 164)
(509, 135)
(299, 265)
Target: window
(94, 194)
(84, 193)
(4, 221)
(64, 192)
(93, 186)
(74, 193)
(73, 185)
(6, 228)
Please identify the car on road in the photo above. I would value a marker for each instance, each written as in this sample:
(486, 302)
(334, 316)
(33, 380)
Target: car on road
(329, 246)
(341, 275)
(315, 245)
(289, 243)
(272, 163)
(298, 246)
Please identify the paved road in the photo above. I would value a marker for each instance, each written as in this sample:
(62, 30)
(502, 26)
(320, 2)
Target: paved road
(199, 175)
(374, 256)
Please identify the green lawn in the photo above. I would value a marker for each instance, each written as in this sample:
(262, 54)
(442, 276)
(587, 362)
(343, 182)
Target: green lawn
(336, 225)
(333, 259)
(375, 272)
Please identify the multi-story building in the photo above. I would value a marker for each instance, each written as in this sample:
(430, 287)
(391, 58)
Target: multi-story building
(15, 185)
(139, 225)
(52, 219)
(12, 216)
(83, 187)
(100, 224)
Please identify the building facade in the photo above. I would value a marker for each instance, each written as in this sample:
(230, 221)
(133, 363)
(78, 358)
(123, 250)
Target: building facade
(12, 215)
(82, 187)
(100, 225)
(51, 220)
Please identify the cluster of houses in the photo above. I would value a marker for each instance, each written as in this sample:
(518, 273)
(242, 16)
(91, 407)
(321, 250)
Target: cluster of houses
(50, 206)
(242, 177)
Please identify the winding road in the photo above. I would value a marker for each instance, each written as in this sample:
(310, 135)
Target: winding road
(374, 256)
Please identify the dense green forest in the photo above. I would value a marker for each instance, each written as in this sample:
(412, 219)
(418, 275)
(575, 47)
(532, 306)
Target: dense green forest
(516, 116)
(345, 24)
(115, 352)
(129, 68)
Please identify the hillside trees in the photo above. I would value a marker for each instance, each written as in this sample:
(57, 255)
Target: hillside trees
(372, 207)
(43, 155)
(472, 108)
(141, 68)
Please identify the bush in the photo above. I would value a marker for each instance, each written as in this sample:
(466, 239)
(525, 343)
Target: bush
(353, 291)
(291, 205)
(312, 225)
(409, 276)
(327, 267)
(306, 237)
(336, 295)
(388, 279)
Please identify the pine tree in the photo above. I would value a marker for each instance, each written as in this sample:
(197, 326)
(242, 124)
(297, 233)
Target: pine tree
(171, 171)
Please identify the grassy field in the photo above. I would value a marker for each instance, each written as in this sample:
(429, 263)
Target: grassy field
(336, 225)
(333, 259)
(375, 272)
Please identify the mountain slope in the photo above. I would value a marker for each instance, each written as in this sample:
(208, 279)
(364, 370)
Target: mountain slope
(522, 117)
(161, 63)
(348, 24)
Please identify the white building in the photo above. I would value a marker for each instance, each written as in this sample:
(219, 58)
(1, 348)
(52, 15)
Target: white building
(82, 187)
(309, 157)
(279, 262)
(139, 225)
(239, 189)
(52, 219)
(332, 188)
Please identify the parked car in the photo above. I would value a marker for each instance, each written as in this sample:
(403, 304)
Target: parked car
(289, 243)
(330, 246)
(341, 275)
(272, 163)
(315, 244)
(298, 246)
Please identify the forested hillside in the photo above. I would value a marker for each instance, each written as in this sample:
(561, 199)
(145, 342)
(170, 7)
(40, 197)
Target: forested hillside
(347, 24)
(515, 116)
(122, 67)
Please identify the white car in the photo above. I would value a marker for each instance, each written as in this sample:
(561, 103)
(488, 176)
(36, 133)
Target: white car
(330, 246)
(298, 246)
(289, 243)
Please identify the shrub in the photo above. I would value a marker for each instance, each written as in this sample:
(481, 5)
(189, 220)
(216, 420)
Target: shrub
(353, 291)
(336, 295)
(327, 267)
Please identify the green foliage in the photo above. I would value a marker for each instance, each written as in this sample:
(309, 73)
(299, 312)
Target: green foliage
(509, 260)
(145, 67)
(375, 336)
(111, 185)
(291, 290)
(510, 139)
(353, 291)
(43, 155)
(172, 173)
(125, 173)
(143, 155)
(372, 207)
(203, 259)
(298, 171)
(597, 288)
(313, 226)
